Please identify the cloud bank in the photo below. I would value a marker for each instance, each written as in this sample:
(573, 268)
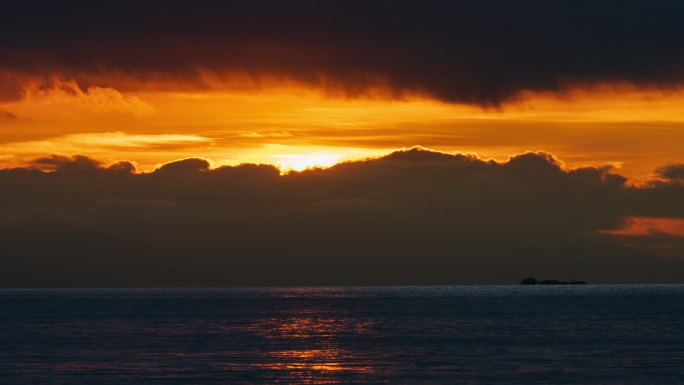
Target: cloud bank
(479, 52)
(411, 217)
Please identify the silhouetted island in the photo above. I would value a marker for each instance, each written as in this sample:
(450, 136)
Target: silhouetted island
(533, 281)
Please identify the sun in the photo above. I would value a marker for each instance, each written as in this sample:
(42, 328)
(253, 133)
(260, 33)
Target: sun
(307, 160)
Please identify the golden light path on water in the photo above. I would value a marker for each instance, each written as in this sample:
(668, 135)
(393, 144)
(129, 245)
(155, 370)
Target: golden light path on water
(320, 330)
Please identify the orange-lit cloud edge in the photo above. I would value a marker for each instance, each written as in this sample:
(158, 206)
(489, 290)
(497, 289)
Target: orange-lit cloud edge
(637, 226)
(633, 226)
(240, 118)
(276, 122)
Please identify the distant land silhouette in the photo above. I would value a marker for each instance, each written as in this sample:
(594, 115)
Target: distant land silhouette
(533, 281)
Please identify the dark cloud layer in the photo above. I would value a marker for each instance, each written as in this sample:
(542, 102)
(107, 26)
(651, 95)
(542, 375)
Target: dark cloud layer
(672, 172)
(411, 217)
(482, 52)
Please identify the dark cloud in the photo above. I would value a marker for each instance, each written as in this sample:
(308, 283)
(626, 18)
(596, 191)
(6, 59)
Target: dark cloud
(68, 163)
(673, 172)
(482, 52)
(80, 165)
(184, 166)
(667, 245)
(411, 217)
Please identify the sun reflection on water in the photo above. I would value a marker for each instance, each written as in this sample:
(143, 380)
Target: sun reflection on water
(311, 351)
(323, 360)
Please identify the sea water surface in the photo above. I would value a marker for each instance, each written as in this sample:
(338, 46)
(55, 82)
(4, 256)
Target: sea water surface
(585, 334)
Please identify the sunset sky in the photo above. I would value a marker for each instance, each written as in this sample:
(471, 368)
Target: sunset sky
(296, 126)
(459, 93)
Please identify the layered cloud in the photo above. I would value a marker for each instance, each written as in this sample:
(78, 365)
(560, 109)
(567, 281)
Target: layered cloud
(68, 98)
(464, 51)
(414, 216)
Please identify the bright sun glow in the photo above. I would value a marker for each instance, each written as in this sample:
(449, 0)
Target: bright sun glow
(297, 128)
(303, 161)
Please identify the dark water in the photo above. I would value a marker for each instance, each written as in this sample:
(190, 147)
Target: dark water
(394, 335)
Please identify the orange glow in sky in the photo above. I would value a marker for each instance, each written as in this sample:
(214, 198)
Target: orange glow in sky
(295, 128)
(650, 226)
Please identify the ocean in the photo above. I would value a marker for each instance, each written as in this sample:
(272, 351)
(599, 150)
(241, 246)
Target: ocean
(569, 334)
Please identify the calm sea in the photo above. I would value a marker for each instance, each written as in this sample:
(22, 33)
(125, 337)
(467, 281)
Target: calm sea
(339, 335)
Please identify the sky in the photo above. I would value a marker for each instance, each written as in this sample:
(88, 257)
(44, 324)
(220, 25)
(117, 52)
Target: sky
(309, 142)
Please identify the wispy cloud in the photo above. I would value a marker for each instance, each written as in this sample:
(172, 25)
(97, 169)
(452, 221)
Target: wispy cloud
(69, 98)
